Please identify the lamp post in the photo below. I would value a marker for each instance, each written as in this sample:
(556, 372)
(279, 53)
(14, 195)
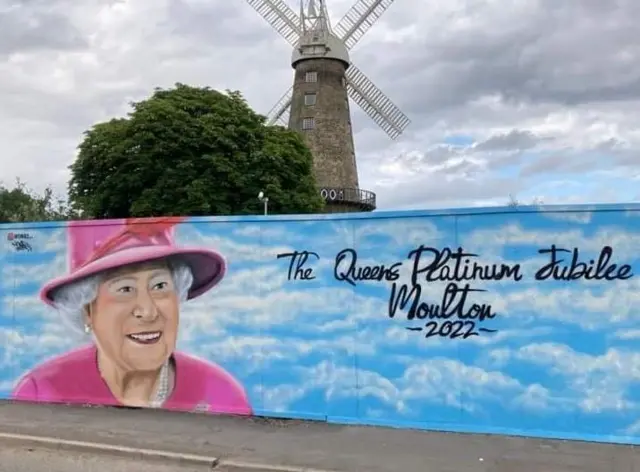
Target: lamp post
(265, 202)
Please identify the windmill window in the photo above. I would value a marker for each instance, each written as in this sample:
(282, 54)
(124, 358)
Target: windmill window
(311, 76)
(309, 99)
(308, 123)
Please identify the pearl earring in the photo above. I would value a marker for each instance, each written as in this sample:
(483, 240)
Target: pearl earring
(87, 328)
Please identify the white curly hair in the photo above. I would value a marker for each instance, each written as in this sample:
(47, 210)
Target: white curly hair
(71, 299)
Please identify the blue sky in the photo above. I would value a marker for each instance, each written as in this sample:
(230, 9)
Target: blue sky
(562, 362)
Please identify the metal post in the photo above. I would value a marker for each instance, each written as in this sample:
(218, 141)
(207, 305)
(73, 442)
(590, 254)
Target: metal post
(265, 202)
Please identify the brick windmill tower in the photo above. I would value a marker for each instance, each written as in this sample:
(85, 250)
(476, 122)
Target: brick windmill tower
(317, 104)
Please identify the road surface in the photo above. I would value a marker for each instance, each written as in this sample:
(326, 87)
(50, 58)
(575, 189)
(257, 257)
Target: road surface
(29, 459)
(297, 443)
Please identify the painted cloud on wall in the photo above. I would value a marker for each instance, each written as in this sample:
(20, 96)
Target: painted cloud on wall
(564, 359)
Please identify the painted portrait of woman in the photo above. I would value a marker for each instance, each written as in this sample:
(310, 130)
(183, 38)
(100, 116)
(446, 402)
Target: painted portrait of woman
(126, 283)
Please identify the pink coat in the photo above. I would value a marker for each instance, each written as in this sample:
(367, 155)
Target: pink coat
(73, 377)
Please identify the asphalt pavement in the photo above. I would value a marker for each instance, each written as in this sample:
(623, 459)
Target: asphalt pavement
(29, 459)
(291, 443)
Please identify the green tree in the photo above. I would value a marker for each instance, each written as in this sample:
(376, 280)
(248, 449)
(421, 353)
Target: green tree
(21, 204)
(514, 202)
(191, 151)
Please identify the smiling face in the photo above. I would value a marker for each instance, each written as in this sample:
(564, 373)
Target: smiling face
(135, 317)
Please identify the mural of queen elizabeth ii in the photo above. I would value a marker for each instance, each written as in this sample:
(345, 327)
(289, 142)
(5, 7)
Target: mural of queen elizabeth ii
(126, 282)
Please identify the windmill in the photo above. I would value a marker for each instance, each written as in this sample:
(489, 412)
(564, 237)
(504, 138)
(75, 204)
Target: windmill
(317, 104)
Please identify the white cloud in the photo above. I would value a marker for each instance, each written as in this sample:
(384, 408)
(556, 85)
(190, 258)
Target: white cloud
(27, 306)
(623, 241)
(571, 216)
(536, 397)
(599, 382)
(632, 429)
(627, 334)
(189, 235)
(598, 308)
(20, 347)
(22, 272)
(453, 383)
(405, 232)
(255, 353)
(439, 381)
(279, 398)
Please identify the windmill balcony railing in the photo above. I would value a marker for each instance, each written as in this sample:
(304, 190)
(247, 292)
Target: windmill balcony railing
(363, 199)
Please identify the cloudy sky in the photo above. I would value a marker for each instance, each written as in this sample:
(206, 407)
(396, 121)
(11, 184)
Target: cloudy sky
(533, 98)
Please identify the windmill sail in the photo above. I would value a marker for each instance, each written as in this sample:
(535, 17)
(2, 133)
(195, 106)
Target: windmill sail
(279, 113)
(375, 103)
(280, 16)
(355, 23)
(351, 28)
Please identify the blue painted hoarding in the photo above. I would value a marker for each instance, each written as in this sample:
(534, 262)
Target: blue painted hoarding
(515, 321)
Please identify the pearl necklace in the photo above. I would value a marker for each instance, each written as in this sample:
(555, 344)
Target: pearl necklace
(162, 392)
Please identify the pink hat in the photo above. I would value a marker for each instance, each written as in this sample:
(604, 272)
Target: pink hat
(99, 245)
